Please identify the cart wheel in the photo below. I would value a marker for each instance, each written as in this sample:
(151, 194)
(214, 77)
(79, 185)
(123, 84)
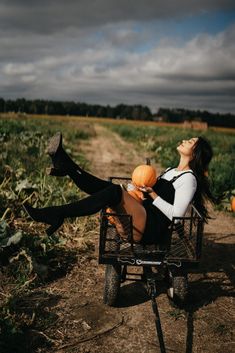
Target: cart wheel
(112, 284)
(178, 289)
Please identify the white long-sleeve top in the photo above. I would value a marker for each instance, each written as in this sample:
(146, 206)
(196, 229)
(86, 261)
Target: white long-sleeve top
(185, 188)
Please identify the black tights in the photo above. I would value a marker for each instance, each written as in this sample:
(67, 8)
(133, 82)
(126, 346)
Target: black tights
(88, 182)
(110, 196)
(102, 193)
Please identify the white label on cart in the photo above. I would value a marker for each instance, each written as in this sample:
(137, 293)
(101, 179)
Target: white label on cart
(142, 262)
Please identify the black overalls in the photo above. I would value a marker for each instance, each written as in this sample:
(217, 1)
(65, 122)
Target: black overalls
(157, 224)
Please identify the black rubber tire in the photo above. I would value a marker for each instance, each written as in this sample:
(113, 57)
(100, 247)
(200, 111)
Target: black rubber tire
(180, 289)
(112, 284)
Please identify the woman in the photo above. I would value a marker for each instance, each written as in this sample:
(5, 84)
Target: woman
(177, 187)
(169, 197)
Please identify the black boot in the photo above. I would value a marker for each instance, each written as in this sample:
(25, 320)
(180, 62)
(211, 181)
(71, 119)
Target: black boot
(48, 215)
(62, 163)
(55, 215)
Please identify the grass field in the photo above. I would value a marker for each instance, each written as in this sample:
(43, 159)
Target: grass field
(27, 257)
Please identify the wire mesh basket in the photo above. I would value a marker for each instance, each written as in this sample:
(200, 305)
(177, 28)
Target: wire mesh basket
(186, 236)
(183, 238)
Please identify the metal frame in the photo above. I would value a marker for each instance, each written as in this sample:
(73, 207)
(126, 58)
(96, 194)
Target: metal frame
(180, 253)
(182, 248)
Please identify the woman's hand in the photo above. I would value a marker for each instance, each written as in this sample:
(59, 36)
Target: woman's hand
(148, 190)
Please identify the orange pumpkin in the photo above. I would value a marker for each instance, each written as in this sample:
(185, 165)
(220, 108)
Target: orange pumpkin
(118, 222)
(233, 204)
(144, 175)
(110, 218)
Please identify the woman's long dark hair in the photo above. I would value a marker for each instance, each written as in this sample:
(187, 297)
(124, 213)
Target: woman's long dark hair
(202, 155)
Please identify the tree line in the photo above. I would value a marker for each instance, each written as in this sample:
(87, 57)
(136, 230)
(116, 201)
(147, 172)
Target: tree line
(48, 107)
(120, 111)
(212, 119)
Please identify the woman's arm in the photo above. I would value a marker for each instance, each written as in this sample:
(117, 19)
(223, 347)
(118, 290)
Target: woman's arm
(185, 188)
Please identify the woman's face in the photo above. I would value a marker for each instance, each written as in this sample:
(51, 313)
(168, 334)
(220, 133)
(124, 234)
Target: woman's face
(186, 147)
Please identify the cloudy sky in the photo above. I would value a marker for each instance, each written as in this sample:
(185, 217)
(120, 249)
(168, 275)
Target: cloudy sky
(164, 53)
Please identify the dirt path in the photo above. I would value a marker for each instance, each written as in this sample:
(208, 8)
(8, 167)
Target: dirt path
(84, 324)
(109, 154)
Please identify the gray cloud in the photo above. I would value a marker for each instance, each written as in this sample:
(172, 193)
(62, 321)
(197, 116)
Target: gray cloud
(51, 16)
(92, 51)
(203, 68)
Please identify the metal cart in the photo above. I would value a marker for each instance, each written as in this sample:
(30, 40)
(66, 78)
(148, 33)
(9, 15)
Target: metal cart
(176, 257)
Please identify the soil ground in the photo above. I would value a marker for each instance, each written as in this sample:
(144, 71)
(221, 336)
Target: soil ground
(84, 324)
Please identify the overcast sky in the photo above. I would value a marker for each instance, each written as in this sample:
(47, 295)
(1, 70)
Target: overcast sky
(158, 53)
